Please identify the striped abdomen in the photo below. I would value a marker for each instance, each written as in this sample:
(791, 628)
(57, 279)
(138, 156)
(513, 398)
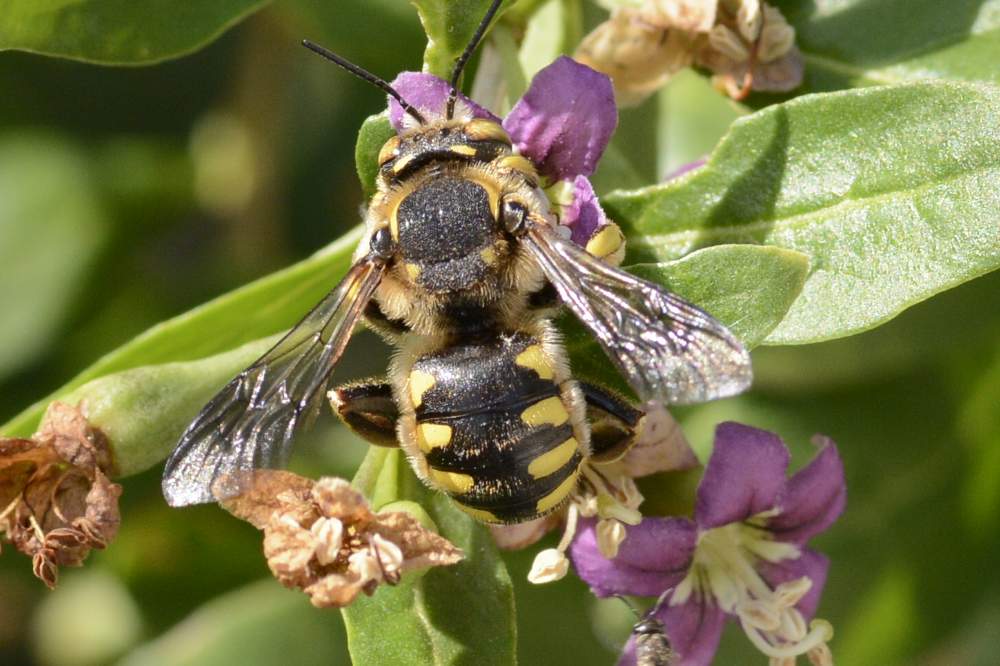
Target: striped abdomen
(495, 426)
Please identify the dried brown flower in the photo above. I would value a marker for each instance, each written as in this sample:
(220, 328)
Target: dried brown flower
(56, 500)
(747, 44)
(751, 47)
(323, 538)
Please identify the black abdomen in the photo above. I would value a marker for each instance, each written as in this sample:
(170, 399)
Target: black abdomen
(494, 427)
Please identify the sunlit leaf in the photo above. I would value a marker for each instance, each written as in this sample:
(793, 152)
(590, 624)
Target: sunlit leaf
(117, 32)
(891, 192)
(864, 42)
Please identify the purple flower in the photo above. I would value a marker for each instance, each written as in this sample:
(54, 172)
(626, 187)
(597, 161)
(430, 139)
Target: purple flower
(743, 555)
(562, 124)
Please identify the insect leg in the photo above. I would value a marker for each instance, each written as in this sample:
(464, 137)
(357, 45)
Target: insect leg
(613, 422)
(369, 410)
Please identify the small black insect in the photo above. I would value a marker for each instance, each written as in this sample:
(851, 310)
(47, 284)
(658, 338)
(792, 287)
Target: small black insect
(460, 268)
(652, 647)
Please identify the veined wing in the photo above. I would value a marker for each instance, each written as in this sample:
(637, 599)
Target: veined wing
(250, 423)
(668, 350)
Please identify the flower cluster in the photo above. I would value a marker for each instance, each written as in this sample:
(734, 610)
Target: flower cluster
(747, 44)
(56, 500)
(323, 538)
(744, 555)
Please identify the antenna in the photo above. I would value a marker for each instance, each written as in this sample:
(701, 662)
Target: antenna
(364, 74)
(466, 54)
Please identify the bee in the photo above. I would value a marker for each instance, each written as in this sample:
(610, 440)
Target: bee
(461, 266)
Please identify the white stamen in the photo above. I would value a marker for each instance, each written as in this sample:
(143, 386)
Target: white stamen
(820, 655)
(759, 614)
(550, 565)
(725, 566)
(570, 530)
(790, 593)
(329, 535)
(364, 564)
(389, 554)
(610, 534)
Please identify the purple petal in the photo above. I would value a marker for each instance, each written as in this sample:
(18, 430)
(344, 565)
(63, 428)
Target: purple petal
(564, 121)
(694, 629)
(813, 498)
(810, 563)
(429, 95)
(628, 654)
(584, 216)
(744, 476)
(654, 556)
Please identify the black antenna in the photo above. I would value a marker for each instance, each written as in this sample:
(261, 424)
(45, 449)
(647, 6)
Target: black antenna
(467, 53)
(362, 73)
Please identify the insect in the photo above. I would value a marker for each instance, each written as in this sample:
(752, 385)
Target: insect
(652, 647)
(460, 267)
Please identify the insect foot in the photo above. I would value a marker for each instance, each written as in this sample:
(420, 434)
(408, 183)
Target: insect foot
(323, 538)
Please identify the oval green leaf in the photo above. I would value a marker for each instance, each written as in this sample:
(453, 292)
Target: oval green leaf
(747, 287)
(256, 310)
(864, 42)
(892, 193)
(117, 32)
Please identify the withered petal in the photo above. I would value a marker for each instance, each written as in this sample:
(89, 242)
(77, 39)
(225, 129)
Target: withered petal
(268, 491)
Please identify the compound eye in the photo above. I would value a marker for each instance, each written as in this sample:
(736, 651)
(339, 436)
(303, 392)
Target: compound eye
(382, 244)
(514, 213)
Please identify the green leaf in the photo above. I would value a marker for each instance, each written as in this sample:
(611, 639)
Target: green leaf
(260, 623)
(261, 308)
(460, 614)
(554, 30)
(117, 32)
(374, 132)
(449, 25)
(747, 287)
(864, 42)
(52, 228)
(891, 192)
(144, 411)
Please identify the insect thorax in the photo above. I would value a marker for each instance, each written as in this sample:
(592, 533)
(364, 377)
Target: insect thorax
(440, 194)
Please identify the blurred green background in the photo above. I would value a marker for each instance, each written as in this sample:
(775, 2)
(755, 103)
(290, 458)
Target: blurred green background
(131, 195)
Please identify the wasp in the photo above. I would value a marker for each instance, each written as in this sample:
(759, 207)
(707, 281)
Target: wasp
(461, 267)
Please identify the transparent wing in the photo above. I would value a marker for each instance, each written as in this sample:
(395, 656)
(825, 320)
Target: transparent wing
(669, 351)
(250, 423)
